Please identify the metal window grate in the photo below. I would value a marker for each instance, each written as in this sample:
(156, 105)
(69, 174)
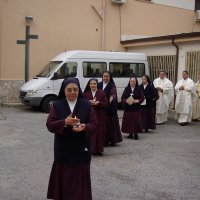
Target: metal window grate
(166, 63)
(193, 64)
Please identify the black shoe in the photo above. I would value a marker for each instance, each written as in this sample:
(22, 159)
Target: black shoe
(135, 137)
(112, 144)
(183, 123)
(195, 120)
(160, 123)
(106, 144)
(100, 154)
(130, 136)
(146, 131)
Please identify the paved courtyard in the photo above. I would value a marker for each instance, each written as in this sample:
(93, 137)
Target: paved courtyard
(164, 165)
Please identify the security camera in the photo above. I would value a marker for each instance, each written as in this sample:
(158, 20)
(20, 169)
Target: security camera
(29, 18)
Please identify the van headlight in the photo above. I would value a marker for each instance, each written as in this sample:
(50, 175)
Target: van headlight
(31, 92)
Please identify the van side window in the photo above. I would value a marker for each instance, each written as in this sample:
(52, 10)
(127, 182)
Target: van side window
(67, 70)
(127, 69)
(93, 69)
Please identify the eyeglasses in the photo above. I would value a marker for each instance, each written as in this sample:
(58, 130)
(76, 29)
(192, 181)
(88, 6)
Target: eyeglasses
(72, 89)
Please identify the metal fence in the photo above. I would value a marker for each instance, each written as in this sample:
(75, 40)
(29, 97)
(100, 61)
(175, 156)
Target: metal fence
(193, 64)
(166, 62)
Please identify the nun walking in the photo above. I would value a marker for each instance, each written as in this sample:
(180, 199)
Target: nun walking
(132, 98)
(113, 133)
(148, 111)
(99, 103)
(72, 120)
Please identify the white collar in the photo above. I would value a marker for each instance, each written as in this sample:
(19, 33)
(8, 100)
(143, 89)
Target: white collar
(71, 104)
(93, 93)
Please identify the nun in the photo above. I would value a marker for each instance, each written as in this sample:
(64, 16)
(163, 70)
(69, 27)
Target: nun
(113, 133)
(132, 98)
(73, 121)
(148, 112)
(99, 103)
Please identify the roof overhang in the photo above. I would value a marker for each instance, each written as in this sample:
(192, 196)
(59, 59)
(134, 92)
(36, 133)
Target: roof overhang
(166, 39)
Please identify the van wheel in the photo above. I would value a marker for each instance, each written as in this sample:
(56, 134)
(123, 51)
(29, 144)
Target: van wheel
(47, 103)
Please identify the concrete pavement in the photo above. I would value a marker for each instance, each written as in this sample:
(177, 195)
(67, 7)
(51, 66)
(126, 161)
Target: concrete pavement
(164, 165)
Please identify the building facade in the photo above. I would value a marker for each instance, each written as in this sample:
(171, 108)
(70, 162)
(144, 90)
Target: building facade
(135, 25)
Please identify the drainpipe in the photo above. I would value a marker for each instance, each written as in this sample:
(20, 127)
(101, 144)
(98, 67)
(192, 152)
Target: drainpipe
(103, 25)
(176, 67)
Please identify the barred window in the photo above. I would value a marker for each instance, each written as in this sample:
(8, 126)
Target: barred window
(165, 62)
(193, 64)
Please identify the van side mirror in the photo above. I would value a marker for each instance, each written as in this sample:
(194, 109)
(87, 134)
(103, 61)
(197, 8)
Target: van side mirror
(55, 76)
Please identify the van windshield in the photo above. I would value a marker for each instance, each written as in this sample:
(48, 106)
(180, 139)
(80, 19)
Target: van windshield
(48, 69)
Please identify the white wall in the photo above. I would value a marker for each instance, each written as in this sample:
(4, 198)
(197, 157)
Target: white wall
(185, 4)
(155, 50)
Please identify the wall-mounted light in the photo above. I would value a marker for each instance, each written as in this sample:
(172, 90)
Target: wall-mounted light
(29, 18)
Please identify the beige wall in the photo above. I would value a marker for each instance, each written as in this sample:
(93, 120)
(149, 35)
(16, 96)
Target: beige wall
(70, 25)
(141, 18)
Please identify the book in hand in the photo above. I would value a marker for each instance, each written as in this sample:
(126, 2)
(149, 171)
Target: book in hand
(144, 102)
(130, 100)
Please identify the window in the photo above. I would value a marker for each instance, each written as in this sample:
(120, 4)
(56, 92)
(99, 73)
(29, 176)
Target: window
(165, 62)
(93, 69)
(193, 63)
(67, 70)
(197, 5)
(127, 69)
(48, 69)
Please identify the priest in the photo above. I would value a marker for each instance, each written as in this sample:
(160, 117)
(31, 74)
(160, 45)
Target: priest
(185, 91)
(166, 94)
(196, 105)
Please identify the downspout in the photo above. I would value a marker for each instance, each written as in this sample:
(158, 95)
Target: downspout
(103, 25)
(120, 23)
(176, 67)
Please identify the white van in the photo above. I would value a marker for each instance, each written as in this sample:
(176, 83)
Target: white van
(43, 89)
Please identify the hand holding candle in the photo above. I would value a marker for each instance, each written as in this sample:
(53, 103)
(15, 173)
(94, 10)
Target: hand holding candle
(79, 127)
(71, 121)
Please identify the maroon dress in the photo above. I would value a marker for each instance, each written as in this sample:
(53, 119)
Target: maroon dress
(131, 121)
(97, 139)
(113, 133)
(70, 174)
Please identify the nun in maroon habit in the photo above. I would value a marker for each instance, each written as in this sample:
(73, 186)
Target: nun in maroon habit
(72, 120)
(99, 103)
(147, 111)
(131, 122)
(113, 133)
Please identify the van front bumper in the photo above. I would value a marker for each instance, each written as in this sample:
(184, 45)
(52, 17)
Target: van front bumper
(32, 101)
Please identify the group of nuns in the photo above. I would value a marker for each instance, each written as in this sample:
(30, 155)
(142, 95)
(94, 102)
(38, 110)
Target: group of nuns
(138, 102)
(83, 123)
